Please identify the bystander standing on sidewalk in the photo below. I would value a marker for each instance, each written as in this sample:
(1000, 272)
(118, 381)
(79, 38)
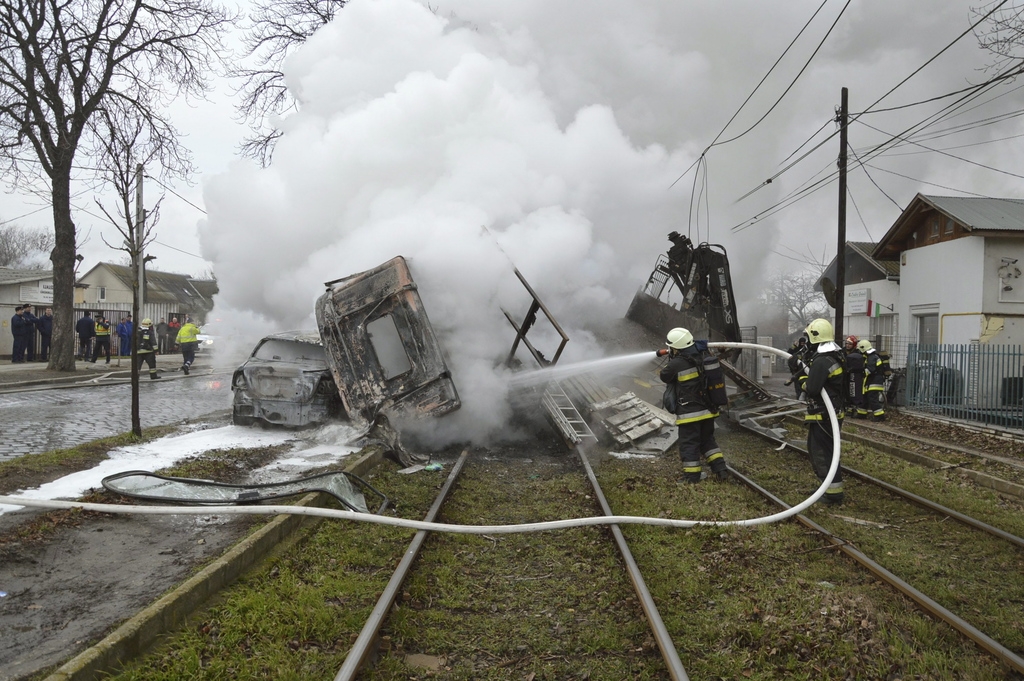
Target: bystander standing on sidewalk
(172, 333)
(163, 331)
(45, 326)
(18, 332)
(30, 332)
(86, 329)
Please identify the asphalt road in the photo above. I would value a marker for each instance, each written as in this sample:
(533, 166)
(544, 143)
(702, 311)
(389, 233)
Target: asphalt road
(37, 420)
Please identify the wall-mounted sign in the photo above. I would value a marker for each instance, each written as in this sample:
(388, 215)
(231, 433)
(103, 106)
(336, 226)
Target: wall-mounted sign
(857, 300)
(41, 292)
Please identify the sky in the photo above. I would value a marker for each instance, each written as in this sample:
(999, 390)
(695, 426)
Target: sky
(474, 136)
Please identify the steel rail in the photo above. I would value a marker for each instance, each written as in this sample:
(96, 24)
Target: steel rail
(914, 498)
(367, 638)
(661, 635)
(986, 643)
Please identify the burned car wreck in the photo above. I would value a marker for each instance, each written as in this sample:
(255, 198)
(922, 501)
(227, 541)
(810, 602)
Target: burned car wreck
(285, 381)
(381, 347)
(375, 352)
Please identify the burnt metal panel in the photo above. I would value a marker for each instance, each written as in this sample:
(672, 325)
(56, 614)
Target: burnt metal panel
(343, 315)
(522, 329)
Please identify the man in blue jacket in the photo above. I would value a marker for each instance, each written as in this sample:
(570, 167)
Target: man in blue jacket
(45, 326)
(19, 332)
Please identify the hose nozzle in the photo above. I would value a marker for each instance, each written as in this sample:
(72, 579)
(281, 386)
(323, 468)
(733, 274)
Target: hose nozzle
(662, 352)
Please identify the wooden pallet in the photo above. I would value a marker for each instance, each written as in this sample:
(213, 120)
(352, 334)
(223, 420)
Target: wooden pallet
(627, 419)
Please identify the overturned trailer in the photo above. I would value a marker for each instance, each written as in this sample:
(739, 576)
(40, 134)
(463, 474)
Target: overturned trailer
(381, 348)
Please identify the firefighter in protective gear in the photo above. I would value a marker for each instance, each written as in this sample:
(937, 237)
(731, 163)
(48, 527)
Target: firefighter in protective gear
(147, 347)
(797, 368)
(695, 414)
(854, 378)
(874, 382)
(826, 373)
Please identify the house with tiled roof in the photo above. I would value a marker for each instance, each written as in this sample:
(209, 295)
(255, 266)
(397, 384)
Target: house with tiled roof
(108, 288)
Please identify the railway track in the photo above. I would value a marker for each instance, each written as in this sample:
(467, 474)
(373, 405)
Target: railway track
(878, 506)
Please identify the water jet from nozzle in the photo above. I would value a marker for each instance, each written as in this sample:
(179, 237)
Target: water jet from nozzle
(605, 366)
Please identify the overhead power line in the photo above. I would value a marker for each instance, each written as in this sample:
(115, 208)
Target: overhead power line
(898, 85)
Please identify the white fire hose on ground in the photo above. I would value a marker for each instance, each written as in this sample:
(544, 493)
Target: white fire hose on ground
(467, 529)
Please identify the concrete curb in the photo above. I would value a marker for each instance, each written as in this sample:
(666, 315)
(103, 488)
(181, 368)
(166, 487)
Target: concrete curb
(172, 610)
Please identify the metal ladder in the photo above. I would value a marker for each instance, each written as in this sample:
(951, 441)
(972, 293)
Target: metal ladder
(564, 415)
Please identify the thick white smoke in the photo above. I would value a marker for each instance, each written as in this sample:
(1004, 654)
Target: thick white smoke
(484, 136)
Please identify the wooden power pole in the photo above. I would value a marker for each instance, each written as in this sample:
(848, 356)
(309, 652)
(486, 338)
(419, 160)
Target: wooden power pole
(843, 120)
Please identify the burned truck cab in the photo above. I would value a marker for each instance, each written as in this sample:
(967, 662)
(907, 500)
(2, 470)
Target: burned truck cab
(381, 348)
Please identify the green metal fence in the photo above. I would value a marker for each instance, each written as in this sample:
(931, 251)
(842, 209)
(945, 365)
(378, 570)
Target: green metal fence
(975, 382)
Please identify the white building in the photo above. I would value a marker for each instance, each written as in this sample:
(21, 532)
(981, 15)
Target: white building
(961, 260)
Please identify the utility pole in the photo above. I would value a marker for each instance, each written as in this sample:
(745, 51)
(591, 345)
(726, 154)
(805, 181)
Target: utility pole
(843, 119)
(140, 288)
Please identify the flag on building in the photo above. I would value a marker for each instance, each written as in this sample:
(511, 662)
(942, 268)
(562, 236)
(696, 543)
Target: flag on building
(874, 309)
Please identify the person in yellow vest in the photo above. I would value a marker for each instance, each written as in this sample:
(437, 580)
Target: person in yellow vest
(102, 344)
(147, 347)
(188, 341)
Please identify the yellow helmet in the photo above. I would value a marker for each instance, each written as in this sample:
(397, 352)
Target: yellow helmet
(679, 338)
(147, 322)
(864, 345)
(820, 331)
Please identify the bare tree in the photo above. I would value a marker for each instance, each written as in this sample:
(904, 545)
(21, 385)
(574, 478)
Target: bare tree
(276, 29)
(62, 62)
(126, 143)
(796, 293)
(22, 247)
(1000, 30)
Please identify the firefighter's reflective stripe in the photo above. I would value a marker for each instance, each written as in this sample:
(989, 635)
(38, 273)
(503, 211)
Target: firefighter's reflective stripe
(688, 375)
(822, 417)
(691, 416)
(835, 372)
(714, 454)
(702, 412)
(691, 467)
(835, 488)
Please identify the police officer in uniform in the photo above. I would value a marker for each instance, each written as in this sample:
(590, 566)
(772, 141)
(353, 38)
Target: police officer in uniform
(695, 415)
(102, 344)
(825, 373)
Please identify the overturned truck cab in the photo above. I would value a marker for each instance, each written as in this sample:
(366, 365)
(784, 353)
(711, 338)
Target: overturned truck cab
(381, 348)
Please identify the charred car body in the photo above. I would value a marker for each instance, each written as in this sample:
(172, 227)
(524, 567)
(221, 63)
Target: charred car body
(285, 382)
(381, 347)
(375, 352)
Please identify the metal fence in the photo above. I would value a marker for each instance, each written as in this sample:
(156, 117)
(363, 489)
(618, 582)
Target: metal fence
(975, 382)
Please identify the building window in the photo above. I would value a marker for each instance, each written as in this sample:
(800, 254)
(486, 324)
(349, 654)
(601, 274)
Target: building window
(102, 295)
(935, 227)
(949, 225)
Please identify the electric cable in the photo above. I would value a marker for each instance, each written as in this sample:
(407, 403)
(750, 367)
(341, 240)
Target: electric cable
(868, 175)
(470, 529)
(856, 208)
(944, 153)
(931, 184)
(869, 109)
(715, 142)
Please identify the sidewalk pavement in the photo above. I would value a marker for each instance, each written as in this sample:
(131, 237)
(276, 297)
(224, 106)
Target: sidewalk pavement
(27, 374)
